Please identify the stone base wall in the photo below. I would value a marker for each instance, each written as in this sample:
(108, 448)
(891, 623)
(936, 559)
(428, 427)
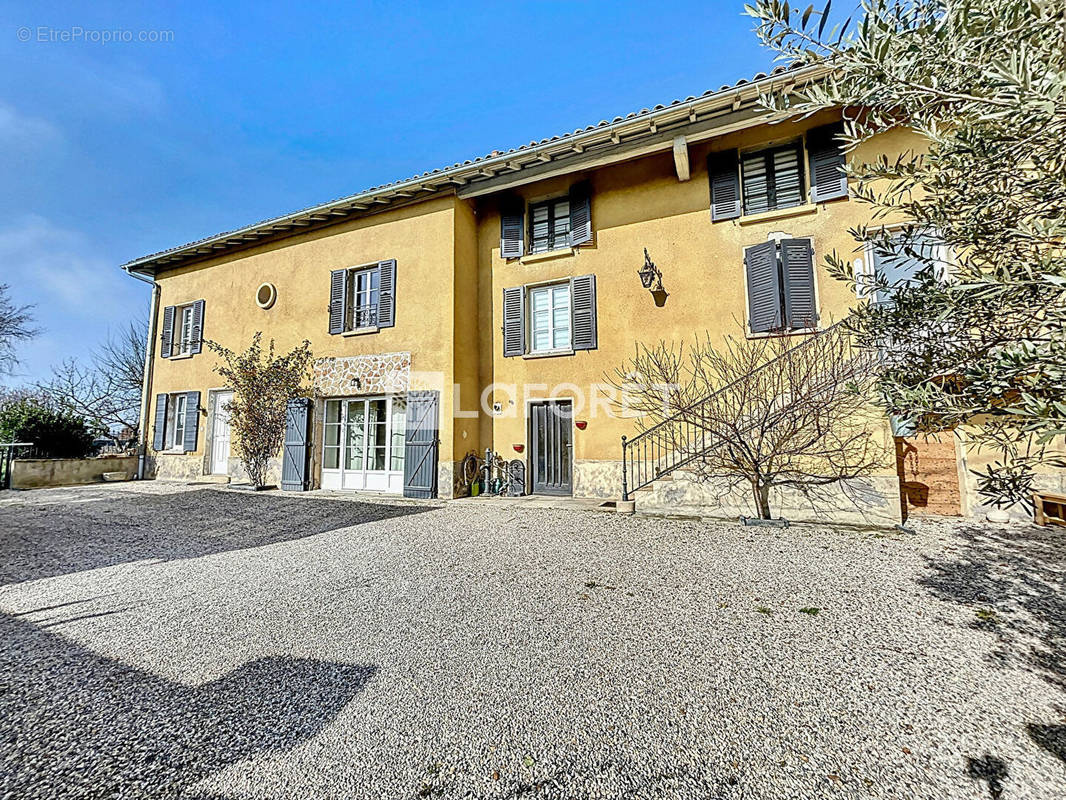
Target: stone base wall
(598, 479)
(36, 473)
(869, 501)
(873, 500)
(175, 466)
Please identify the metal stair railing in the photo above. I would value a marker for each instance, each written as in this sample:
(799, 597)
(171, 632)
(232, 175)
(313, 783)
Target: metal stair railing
(679, 439)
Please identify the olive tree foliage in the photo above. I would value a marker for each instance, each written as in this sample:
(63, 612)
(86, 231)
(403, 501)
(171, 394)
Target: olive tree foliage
(984, 82)
(263, 383)
(761, 412)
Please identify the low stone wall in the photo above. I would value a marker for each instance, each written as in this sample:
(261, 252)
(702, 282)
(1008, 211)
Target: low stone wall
(867, 501)
(37, 473)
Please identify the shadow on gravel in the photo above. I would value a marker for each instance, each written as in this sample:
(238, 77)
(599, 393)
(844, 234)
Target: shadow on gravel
(990, 770)
(56, 539)
(1012, 579)
(75, 724)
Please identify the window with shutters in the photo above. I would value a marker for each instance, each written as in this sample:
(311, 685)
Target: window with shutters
(549, 318)
(176, 408)
(362, 299)
(779, 276)
(772, 178)
(183, 339)
(361, 305)
(549, 225)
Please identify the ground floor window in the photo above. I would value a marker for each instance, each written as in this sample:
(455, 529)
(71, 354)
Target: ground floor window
(177, 421)
(363, 443)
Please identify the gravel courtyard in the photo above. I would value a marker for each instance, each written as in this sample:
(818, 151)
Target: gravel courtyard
(163, 641)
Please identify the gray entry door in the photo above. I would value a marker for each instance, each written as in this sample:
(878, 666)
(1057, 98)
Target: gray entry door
(550, 447)
(421, 444)
(295, 450)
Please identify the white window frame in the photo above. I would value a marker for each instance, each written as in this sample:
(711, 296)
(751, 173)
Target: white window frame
(359, 476)
(179, 402)
(866, 269)
(371, 294)
(182, 334)
(531, 331)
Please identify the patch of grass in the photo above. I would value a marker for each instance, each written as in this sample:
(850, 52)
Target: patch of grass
(810, 610)
(987, 616)
(764, 610)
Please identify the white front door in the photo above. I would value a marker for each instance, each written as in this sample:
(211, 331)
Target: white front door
(220, 435)
(363, 443)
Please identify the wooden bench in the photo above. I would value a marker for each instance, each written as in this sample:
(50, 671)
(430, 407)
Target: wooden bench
(1049, 508)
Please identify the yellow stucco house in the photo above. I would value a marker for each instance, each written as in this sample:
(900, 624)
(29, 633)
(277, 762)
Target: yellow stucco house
(483, 304)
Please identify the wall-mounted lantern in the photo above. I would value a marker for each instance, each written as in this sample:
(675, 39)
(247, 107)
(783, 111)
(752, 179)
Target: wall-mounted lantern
(652, 278)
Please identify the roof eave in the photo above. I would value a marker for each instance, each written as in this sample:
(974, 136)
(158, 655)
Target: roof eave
(582, 149)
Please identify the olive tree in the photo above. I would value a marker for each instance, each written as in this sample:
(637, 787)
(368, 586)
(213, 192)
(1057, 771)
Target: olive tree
(263, 383)
(768, 413)
(984, 83)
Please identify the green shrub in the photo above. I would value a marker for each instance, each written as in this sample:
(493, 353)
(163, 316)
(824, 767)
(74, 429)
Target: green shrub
(54, 433)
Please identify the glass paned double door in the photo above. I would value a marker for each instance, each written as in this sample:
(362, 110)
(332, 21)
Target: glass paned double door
(363, 443)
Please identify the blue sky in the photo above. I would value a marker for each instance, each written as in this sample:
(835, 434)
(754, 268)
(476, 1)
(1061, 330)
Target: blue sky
(112, 150)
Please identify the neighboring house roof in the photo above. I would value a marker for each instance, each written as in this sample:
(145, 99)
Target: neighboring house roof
(639, 133)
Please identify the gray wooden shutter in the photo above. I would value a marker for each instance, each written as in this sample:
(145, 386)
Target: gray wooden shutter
(421, 443)
(295, 451)
(387, 294)
(159, 436)
(192, 420)
(514, 323)
(512, 228)
(725, 185)
(338, 284)
(583, 302)
(580, 215)
(764, 287)
(197, 327)
(825, 155)
(166, 338)
(797, 269)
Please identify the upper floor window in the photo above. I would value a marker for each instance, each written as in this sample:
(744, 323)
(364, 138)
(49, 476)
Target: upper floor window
(183, 343)
(777, 177)
(549, 225)
(183, 328)
(363, 298)
(771, 178)
(554, 224)
(364, 294)
(550, 318)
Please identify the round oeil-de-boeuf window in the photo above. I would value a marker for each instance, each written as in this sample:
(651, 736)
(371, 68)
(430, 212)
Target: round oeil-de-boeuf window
(265, 295)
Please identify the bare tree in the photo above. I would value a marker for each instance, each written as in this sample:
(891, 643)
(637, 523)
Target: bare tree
(766, 412)
(16, 325)
(106, 389)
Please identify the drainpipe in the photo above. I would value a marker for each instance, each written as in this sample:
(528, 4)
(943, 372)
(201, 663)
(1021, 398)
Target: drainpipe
(149, 360)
